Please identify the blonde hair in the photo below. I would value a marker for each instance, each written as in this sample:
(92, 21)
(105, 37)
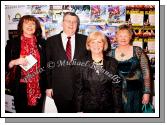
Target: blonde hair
(97, 35)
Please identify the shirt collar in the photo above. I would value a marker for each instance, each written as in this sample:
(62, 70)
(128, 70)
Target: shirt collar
(65, 36)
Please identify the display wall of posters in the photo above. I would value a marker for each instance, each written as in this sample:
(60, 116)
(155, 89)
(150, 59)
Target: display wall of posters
(94, 17)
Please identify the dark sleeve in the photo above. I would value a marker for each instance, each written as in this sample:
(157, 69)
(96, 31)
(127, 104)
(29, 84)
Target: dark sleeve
(8, 55)
(117, 98)
(43, 62)
(78, 90)
(85, 50)
(49, 64)
(116, 88)
(144, 65)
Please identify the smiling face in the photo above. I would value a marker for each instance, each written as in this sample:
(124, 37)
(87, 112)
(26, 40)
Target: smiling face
(29, 28)
(123, 37)
(70, 24)
(96, 46)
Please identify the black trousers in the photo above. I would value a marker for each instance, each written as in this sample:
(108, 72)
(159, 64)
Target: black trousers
(65, 106)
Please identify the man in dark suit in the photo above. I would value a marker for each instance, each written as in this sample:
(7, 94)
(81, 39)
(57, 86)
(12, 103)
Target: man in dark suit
(62, 49)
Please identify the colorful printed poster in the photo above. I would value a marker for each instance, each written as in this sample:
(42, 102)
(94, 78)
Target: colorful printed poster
(41, 12)
(152, 18)
(66, 8)
(137, 17)
(57, 13)
(14, 13)
(110, 32)
(82, 29)
(149, 31)
(151, 45)
(89, 29)
(116, 14)
(138, 31)
(98, 14)
(138, 42)
(40, 9)
(52, 29)
(83, 11)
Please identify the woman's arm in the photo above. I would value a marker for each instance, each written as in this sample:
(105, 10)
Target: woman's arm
(144, 64)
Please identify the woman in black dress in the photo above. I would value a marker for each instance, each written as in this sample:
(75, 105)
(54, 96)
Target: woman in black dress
(98, 88)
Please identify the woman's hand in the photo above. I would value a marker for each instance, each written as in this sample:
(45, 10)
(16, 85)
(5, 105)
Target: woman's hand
(146, 98)
(19, 61)
(12, 63)
(49, 92)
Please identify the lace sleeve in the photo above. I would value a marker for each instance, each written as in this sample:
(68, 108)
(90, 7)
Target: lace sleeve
(144, 64)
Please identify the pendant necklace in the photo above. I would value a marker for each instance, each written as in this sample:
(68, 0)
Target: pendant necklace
(122, 55)
(98, 66)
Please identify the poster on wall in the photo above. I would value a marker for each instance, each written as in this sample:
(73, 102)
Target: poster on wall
(98, 14)
(94, 17)
(83, 12)
(116, 14)
(15, 12)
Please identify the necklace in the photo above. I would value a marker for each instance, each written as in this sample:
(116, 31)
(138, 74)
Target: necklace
(98, 63)
(122, 55)
(97, 66)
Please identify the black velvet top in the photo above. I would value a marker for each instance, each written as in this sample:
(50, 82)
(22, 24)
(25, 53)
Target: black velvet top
(98, 88)
(135, 68)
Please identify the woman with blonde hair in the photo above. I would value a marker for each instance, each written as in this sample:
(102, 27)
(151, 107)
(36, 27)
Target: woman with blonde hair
(98, 86)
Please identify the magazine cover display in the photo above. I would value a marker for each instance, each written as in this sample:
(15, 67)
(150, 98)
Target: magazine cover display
(104, 18)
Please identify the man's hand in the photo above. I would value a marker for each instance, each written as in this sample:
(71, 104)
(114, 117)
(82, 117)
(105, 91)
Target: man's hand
(49, 92)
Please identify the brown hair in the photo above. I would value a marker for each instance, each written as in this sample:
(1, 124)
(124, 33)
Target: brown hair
(96, 35)
(73, 14)
(38, 30)
(129, 29)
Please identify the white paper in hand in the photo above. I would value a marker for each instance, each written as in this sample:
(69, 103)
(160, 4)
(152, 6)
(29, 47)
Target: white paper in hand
(31, 61)
(49, 106)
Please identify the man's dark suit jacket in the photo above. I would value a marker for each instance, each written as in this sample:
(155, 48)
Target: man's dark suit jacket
(60, 77)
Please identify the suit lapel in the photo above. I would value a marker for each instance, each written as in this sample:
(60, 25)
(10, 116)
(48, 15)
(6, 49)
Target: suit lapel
(60, 44)
(76, 51)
